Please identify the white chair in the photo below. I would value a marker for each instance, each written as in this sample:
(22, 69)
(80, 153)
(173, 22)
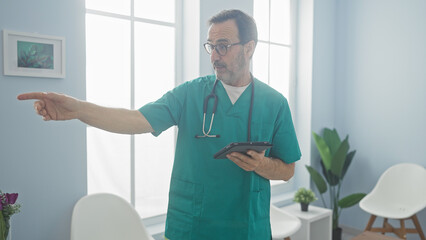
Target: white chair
(283, 224)
(105, 216)
(399, 194)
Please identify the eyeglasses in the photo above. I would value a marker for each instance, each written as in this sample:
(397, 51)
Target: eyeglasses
(221, 48)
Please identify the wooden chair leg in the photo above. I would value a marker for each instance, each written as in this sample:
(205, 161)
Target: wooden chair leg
(403, 230)
(370, 222)
(418, 227)
(385, 224)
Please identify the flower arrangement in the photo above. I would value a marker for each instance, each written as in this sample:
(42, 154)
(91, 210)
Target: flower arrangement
(8, 207)
(304, 195)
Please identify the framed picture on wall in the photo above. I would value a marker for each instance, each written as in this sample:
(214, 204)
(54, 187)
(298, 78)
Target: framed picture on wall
(33, 55)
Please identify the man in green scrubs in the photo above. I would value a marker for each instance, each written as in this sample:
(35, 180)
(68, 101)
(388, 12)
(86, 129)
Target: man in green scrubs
(209, 198)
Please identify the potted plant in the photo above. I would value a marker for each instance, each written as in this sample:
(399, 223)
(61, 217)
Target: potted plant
(304, 197)
(335, 161)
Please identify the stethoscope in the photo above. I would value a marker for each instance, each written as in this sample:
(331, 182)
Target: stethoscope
(214, 96)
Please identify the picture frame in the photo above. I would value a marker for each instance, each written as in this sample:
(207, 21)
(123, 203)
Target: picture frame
(33, 55)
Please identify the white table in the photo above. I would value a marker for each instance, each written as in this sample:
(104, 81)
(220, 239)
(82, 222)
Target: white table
(316, 222)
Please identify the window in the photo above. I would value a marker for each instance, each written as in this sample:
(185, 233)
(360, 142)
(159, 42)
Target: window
(274, 56)
(274, 23)
(131, 56)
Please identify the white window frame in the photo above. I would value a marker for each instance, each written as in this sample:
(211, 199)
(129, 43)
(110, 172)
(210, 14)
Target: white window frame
(281, 194)
(159, 219)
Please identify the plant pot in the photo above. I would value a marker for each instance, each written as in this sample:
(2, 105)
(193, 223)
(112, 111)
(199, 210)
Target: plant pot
(304, 207)
(337, 233)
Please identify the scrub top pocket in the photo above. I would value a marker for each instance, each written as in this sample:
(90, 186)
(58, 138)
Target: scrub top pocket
(185, 205)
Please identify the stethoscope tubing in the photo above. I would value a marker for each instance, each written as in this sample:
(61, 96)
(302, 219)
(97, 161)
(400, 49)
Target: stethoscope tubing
(214, 96)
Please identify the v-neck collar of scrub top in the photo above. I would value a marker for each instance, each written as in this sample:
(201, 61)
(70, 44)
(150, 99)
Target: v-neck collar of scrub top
(225, 103)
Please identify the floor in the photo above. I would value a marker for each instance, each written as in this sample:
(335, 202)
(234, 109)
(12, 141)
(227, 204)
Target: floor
(347, 236)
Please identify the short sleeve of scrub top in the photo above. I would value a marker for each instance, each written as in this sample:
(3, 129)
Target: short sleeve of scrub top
(272, 121)
(165, 112)
(285, 140)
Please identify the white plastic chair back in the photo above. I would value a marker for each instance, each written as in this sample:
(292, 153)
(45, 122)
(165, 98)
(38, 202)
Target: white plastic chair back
(399, 193)
(105, 216)
(283, 224)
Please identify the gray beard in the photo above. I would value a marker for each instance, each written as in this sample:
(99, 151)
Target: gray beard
(232, 78)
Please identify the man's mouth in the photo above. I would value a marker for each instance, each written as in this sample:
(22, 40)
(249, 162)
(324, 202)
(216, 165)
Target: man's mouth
(219, 66)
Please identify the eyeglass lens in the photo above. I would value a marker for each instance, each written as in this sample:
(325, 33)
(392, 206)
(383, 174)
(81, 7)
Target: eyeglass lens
(220, 48)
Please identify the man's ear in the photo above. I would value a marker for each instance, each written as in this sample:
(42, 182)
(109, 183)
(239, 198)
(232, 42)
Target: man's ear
(249, 48)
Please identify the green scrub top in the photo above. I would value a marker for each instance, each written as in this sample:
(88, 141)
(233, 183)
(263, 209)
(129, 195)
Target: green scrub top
(214, 198)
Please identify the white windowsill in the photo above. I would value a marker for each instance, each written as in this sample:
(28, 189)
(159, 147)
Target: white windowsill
(155, 225)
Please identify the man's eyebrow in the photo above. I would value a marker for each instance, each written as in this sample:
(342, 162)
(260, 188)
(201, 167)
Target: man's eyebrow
(221, 40)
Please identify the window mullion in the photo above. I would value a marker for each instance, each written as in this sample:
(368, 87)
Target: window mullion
(269, 44)
(132, 104)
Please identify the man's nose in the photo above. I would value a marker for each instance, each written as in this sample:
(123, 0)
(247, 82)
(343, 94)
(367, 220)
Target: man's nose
(215, 55)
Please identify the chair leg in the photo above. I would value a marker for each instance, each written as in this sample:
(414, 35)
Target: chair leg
(403, 231)
(370, 222)
(418, 227)
(385, 224)
(400, 232)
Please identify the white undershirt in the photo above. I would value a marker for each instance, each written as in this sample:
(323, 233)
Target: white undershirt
(234, 92)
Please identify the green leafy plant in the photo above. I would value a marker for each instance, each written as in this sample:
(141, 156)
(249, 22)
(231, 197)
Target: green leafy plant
(335, 161)
(304, 195)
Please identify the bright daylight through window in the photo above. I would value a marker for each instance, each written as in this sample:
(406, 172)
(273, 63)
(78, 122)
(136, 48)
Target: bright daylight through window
(130, 61)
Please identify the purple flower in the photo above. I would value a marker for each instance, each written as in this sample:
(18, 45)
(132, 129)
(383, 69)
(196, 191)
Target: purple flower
(11, 198)
(1, 206)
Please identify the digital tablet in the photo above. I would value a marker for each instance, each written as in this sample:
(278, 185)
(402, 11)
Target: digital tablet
(242, 147)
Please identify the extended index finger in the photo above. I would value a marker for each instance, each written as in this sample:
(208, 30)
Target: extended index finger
(31, 95)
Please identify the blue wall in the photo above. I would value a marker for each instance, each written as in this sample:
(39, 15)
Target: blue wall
(368, 72)
(44, 162)
(380, 90)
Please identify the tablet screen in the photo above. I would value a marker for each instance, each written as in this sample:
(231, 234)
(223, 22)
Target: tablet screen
(242, 147)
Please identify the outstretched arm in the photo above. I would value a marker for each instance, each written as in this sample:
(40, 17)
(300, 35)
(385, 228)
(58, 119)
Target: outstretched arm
(53, 106)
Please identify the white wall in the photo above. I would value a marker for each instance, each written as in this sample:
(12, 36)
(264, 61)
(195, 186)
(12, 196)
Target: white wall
(380, 90)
